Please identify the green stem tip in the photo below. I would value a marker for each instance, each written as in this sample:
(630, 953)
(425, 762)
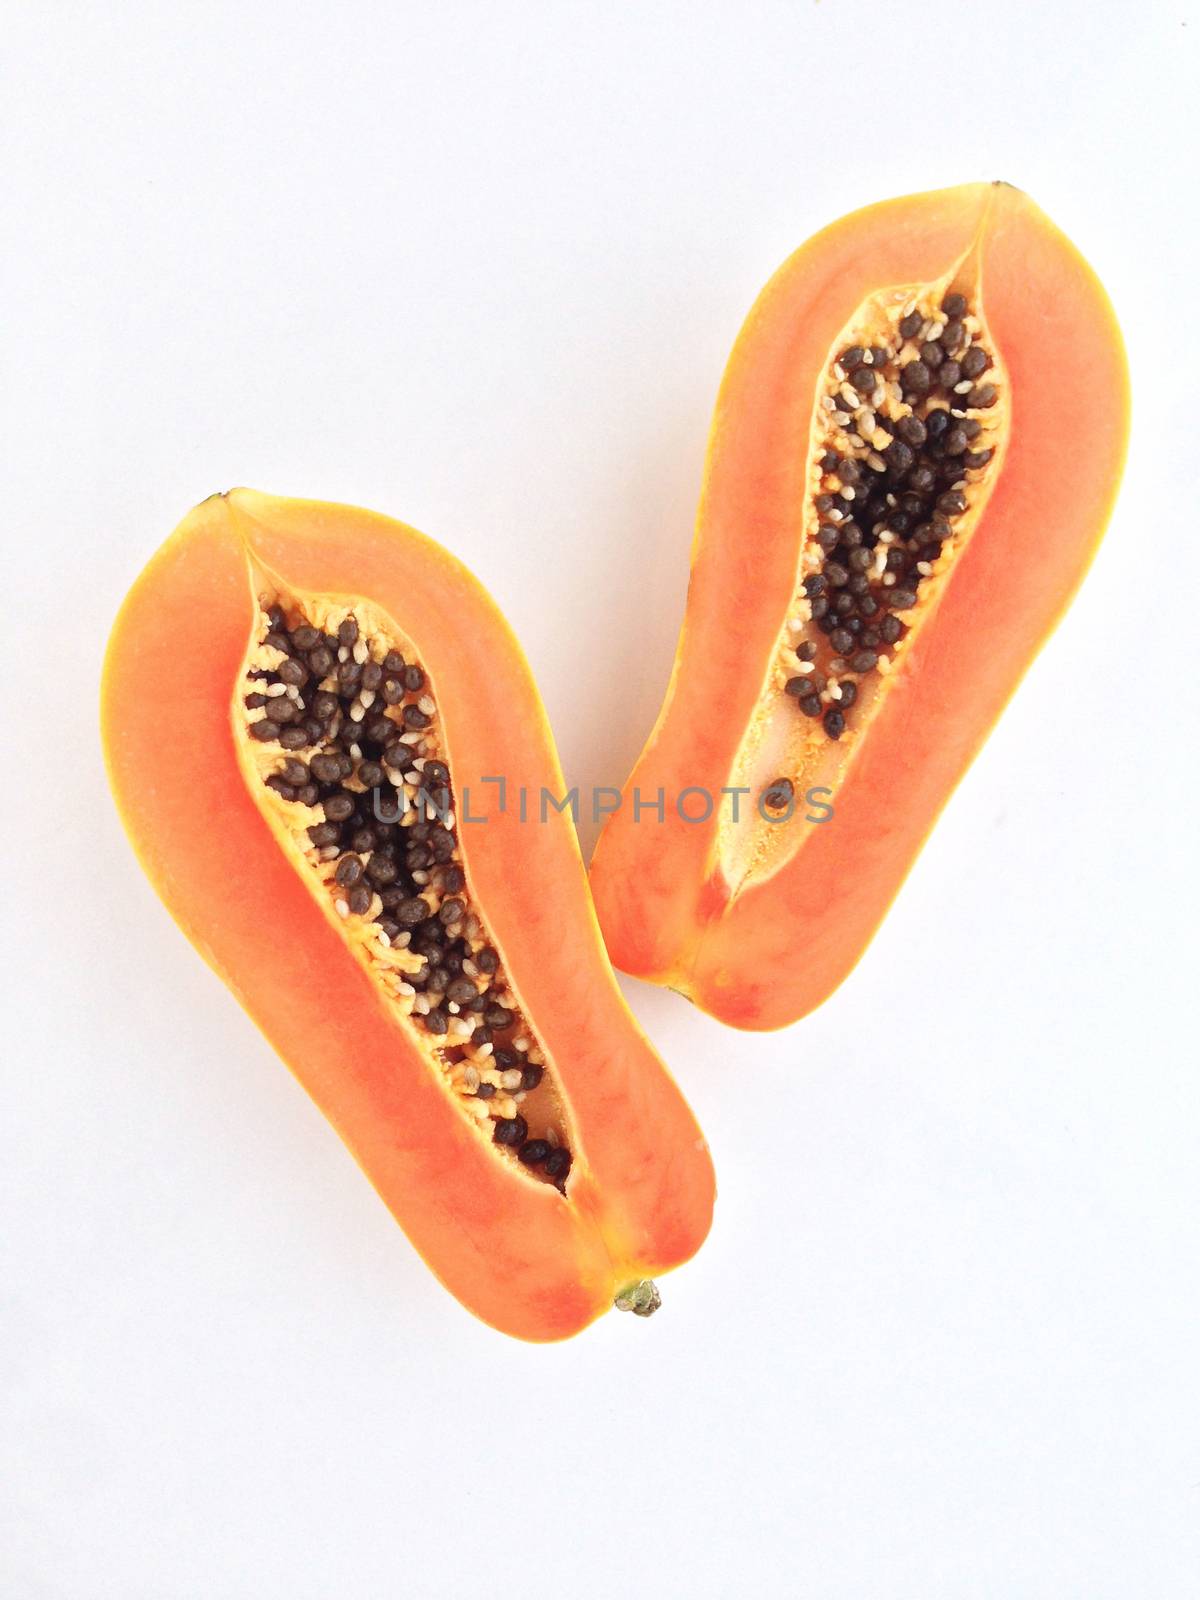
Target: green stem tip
(642, 1298)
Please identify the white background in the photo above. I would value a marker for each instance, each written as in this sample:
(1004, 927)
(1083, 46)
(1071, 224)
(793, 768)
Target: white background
(480, 266)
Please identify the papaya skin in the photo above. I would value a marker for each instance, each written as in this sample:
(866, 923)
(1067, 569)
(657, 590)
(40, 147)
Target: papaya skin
(532, 1262)
(764, 952)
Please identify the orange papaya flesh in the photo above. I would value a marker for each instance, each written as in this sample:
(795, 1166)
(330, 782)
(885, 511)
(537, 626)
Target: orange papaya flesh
(302, 705)
(893, 518)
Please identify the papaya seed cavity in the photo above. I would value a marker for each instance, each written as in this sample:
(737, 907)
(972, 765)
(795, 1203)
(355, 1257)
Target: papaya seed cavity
(908, 424)
(338, 731)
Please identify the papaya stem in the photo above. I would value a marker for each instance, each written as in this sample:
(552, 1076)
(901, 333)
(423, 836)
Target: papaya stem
(642, 1298)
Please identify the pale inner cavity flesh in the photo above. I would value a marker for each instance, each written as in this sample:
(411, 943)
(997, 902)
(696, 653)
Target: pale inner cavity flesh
(344, 749)
(905, 449)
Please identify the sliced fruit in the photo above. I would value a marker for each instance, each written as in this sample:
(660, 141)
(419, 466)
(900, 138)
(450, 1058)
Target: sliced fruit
(331, 760)
(916, 448)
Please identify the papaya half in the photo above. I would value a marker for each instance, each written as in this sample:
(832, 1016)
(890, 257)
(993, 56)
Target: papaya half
(892, 520)
(333, 764)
